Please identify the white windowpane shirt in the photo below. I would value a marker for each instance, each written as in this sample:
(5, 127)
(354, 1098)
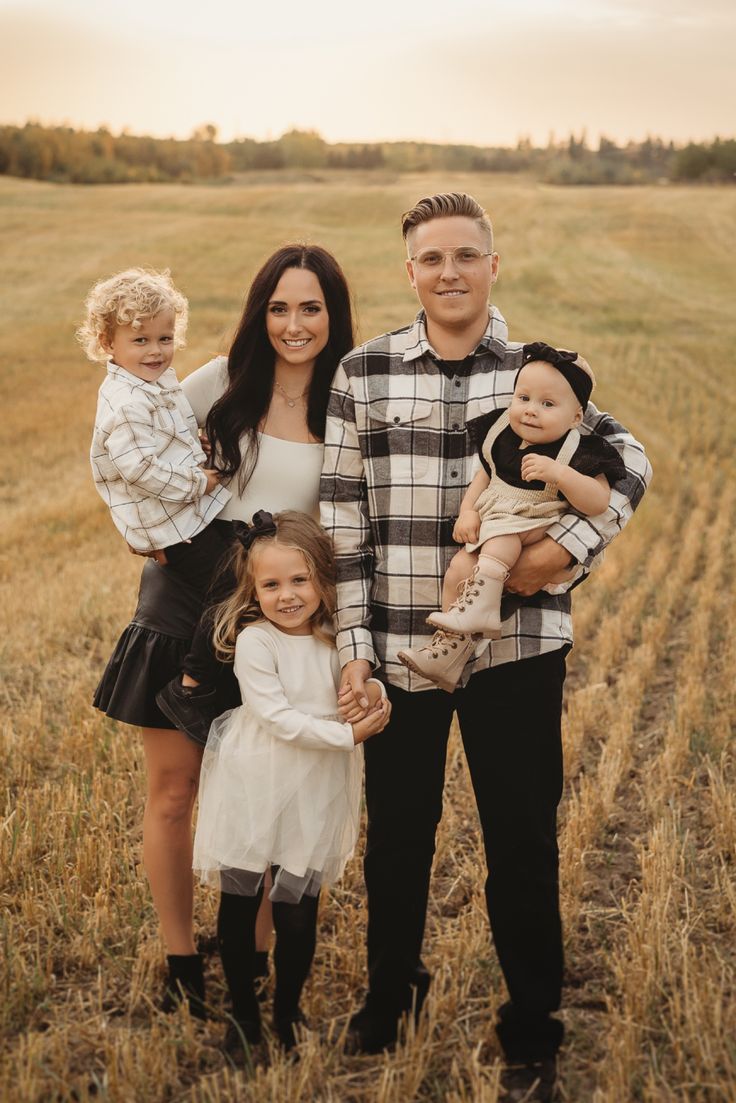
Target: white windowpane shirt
(147, 461)
(397, 464)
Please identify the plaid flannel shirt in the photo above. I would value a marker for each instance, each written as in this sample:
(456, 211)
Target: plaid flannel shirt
(147, 461)
(397, 464)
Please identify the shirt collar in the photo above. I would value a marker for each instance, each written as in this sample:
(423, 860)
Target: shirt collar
(493, 340)
(167, 381)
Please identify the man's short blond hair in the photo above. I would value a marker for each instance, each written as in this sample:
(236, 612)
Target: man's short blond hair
(128, 299)
(446, 205)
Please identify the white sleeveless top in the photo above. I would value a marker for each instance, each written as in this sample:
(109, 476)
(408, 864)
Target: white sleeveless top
(286, 475)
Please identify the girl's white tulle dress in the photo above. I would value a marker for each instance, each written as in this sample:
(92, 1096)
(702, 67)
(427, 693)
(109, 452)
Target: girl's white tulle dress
(281, 777)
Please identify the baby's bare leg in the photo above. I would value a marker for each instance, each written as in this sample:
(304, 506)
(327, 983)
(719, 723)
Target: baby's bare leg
(461, 567)
(532, 536)
(506, 549)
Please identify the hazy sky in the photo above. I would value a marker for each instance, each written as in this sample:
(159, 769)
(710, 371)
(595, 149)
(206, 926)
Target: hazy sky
(480, 71)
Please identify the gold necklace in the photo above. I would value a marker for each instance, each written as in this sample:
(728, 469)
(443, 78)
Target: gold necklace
(289, 400)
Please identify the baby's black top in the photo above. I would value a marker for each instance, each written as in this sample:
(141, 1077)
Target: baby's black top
(593, 456)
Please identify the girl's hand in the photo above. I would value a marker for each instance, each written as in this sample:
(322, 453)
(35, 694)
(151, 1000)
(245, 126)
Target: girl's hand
(467, 527)
(350, 710)
(542, 468)
(374, 722)
(352, 699)
(213, 479)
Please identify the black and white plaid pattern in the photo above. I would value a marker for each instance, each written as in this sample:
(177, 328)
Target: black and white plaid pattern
(397, 464)
(146, 461)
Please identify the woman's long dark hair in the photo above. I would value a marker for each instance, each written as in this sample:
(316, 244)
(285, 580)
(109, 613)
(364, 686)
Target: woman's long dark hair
(250, 365)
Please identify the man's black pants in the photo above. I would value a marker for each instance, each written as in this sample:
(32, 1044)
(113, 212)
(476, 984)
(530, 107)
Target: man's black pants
(510, 719)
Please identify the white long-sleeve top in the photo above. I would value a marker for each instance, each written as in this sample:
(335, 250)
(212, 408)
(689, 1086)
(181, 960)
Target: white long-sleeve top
(288, 684)
(147, 461)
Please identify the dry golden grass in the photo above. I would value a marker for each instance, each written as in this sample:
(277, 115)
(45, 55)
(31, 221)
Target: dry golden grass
(641, 281)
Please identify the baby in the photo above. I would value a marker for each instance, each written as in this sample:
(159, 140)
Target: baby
(534, 462)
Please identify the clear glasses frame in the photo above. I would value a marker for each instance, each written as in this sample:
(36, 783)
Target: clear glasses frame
(463, 256)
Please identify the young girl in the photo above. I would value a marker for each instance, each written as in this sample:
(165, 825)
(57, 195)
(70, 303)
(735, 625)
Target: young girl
(148, 464)
(534, 462)
(281, 778)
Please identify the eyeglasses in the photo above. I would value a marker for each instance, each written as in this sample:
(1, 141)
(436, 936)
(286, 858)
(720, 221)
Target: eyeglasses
(463, 257)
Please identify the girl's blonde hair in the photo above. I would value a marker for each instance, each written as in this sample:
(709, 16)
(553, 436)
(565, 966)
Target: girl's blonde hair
(293, 530)
(128, 299)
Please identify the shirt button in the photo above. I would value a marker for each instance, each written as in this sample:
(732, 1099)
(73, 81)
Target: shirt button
(397, 420)
(456, 425)
(457, 382)
(453, 474)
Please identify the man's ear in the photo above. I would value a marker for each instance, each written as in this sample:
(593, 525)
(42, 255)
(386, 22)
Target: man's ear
(410, 273)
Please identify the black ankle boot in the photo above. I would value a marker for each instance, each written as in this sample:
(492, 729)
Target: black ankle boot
(240, 1037)
(185, 982)
(286, 1026)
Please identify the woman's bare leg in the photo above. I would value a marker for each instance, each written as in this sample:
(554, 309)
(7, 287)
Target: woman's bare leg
(172, 765)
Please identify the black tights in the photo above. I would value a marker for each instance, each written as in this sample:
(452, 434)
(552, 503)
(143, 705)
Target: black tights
(296, 935)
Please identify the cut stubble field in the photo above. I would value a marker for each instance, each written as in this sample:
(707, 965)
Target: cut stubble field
(641, 282)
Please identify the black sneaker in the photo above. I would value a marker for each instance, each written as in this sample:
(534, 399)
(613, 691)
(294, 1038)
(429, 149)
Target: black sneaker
(530, 1083)
(191, 708)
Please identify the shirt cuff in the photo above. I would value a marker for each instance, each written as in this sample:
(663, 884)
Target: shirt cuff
(355, 643)
(580, 539)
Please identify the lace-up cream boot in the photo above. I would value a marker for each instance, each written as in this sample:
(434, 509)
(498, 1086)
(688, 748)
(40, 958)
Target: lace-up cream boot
(477, 608)
(442, 661)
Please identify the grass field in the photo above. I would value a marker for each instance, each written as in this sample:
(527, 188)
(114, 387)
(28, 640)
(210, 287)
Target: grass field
(641, 281)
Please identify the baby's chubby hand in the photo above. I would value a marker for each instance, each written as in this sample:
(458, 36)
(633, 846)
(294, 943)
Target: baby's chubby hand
(542, 468)
(467, 527)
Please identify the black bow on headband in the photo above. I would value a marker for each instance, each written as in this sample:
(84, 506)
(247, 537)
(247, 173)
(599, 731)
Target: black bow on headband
(565, 362)
(263, 525)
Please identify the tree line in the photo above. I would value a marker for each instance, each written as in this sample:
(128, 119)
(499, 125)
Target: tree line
(65, 155)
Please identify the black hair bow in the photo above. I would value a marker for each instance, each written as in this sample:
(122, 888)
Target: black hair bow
(540, 350)
(263, 525)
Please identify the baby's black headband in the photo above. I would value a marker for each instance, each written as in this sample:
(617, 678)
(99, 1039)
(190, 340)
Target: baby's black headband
(565, 362)
(263, 525)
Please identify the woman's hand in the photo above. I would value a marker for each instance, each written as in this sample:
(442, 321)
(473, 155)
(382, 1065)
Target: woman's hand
(204, 441)
(159, 556)
(213, 479)
(374, 722)
(467, 527)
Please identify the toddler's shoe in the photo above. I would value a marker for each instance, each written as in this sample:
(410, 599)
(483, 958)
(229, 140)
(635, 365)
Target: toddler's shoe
(442, 661)
(191, 708)
(477, 609)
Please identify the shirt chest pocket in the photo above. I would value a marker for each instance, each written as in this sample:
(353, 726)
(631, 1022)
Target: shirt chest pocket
(172, 425)
(400, 438)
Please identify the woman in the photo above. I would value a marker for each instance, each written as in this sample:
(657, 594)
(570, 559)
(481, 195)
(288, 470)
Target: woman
(263, 408)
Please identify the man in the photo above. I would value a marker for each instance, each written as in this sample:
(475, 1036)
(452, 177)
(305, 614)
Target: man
(397, 464)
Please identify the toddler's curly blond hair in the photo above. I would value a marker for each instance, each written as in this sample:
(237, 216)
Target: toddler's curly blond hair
(128, 299)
